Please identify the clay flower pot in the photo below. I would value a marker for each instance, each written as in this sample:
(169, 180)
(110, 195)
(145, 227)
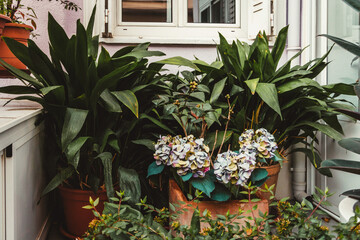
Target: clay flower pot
(3, 19)
(176, 195)
(77, 218)
(273, 174)
(19, 32)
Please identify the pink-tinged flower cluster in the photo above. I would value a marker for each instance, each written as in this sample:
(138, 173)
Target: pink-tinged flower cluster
(234, 167)
(185, 154)
(260, 142)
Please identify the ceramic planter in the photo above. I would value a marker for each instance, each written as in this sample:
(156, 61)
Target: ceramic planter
(19, 32)
(77, 218)
(3, 19)
(273, 174)
(176, 195)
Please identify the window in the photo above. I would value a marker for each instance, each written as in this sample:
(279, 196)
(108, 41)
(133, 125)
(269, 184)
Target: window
(185, 21)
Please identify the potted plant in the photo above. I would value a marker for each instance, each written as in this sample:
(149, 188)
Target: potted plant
(88, 101)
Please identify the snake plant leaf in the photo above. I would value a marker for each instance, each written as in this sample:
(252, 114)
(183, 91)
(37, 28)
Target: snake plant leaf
(57, 92)
(220, 193)
(20, 51)
(279, 45)
(19, 90)
(129, 182)
(139, 54)
(154, 169)
(217, 90)
(179, 61)
(81, 58)
(268, 93)
(92, 42)
(129, 99)
(340, 88)
(106, 138)
(342, 165)
(252, 84)
(205, 184)
(355, 193)
(351, 144)
(73, 123)
(156, 122)
(291, 75)
(58, 179)
(321, 127)
(106, 159)
(353, 114)
(29, 98)
(349, 46)
(72, 151)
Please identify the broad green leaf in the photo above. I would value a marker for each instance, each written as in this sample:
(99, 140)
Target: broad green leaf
(154, 169)
(293, 84)
(146, 142)
(58, 179)
(291, 75)
(279, 45)
(58, 38)
(111, 104)
(268, 93)
(129, 99)
(198, 95)
(220, 193)
(342, 165)
(129, 182)
(203, 88)
(73, 149)
(322, 128)
(156, 122)
(217, 90)
(351, 144)
(18, 90)
(106, 159)
(355, 193)
(19, 50)
(73, 123)
(349, 113)
(341, 88)
(210, 138)
(180, 61)
(349, 46)
(205, 184)
(252, 84)
(29, 98)
(187, 177)
(258, 174)
(139, 54)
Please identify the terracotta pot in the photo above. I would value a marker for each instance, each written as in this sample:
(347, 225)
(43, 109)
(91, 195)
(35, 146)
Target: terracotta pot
(273, 173)
(19, 32)
(3, 19)
(176, 195)
(77, 218)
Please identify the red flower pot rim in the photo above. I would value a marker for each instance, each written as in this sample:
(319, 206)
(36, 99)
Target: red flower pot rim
(6, 18)
(19, 25)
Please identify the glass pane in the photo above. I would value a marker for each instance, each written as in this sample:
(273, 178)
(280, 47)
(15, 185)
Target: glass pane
(147, 10)
(343, 22)
(211, 11)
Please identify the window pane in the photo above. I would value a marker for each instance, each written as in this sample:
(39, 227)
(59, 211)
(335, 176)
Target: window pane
(343, 22)
(211, 11)
(146, 10)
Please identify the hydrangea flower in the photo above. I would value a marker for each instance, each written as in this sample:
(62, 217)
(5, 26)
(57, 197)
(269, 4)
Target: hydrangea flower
(260, 142)
(234, 167)
(185, 154)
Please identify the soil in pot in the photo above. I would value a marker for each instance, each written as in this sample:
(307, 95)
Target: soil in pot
(19, 32)
(176, 195)
(77, 218)
(273, 174)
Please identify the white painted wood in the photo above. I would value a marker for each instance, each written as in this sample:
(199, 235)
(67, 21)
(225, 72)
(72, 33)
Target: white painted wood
(22, 177)
(259, 17)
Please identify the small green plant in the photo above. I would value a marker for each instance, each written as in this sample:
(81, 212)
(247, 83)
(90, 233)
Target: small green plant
(293, 221)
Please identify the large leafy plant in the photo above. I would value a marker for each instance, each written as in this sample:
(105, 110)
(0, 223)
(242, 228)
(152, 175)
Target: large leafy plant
(285, 100)
(89, 103)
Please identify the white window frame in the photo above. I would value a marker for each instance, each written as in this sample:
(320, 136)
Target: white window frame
(179, 31)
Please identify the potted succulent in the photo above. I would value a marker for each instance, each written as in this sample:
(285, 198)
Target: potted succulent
(88, 101)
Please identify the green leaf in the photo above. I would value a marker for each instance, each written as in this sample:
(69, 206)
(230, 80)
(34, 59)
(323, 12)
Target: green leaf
(291, 75)
(217, 90)
(340, 88)
(58, 38)
(129, 182)
(351, 144)
(349, 113)
(139, 54)
(187, 177)
(205, 184)
(259, 176)
(220, 193)
(129, 99)
(315, 160)
(355, 193)
(155, 169)
(195, 222)
(58, 179)
(252, 84)
(146, 142)
(198, 95)
(110, 101)
(73, 123)
(342, 165)
(73, 149)
(322, 128)
(203, 88)
(106, 159)
(349, 46)
(293, 84)
(180, 61)
(157, 122)
(279, 45)
(210, 138)
(268, 93)
(18, 90)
